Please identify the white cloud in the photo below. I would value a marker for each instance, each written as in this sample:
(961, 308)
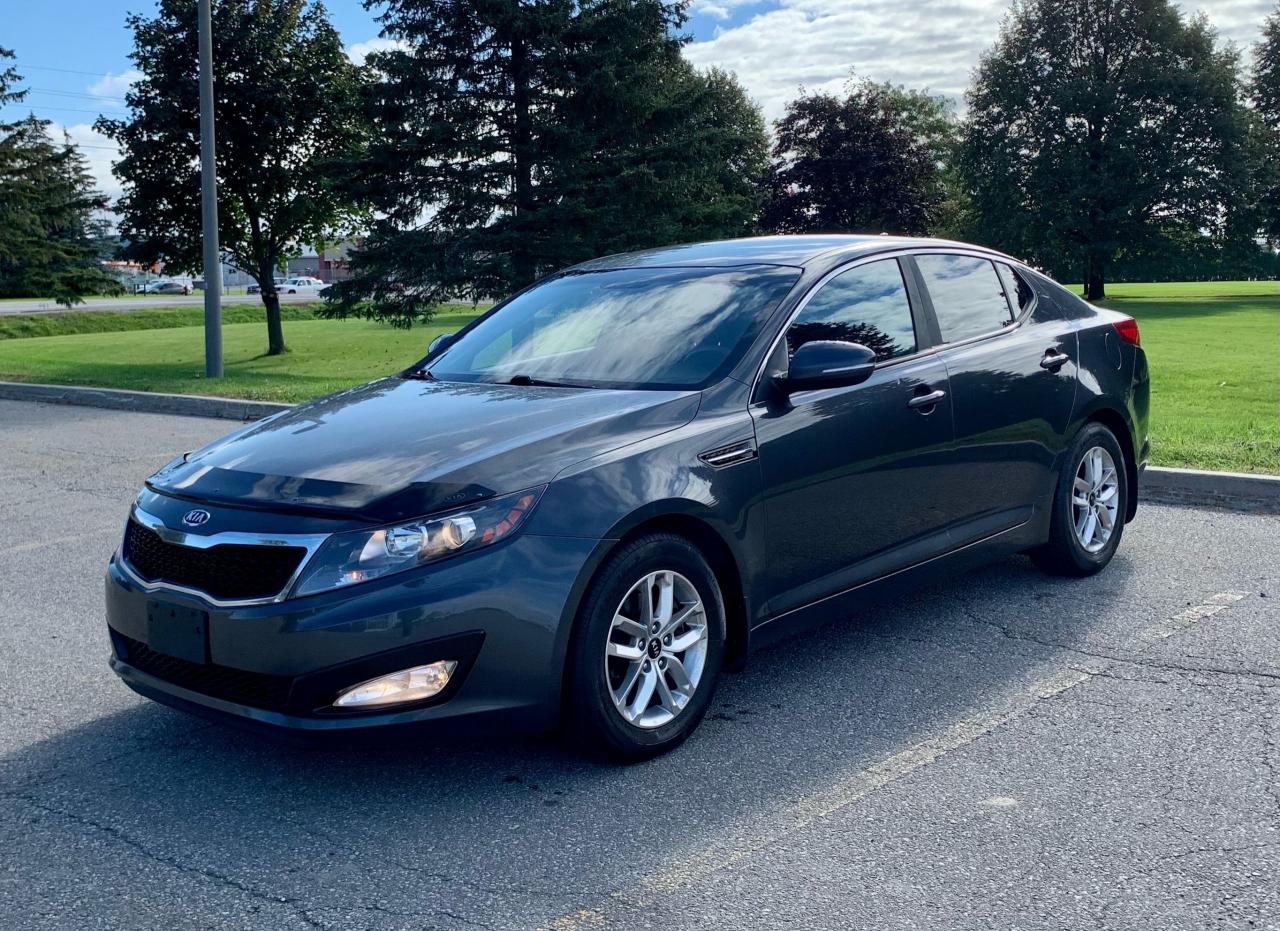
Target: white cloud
(932, 44)
(359, 51)
(114, 85)
(98, 151)
(720, 9)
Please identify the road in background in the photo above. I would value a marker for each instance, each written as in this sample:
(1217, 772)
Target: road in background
(1001, 750)
(195, 299)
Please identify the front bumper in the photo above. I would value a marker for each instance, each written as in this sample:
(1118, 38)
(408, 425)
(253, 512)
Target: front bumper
(503, 612)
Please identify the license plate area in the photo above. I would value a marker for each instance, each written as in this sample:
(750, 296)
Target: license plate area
(178, 631)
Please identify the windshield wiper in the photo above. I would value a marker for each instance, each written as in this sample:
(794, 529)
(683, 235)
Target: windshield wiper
(531, 382)
(419, 374)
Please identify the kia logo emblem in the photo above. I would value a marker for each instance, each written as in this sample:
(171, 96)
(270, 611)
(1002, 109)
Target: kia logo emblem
(196, 518)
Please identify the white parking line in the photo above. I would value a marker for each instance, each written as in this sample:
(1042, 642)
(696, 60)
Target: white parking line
(853, 787)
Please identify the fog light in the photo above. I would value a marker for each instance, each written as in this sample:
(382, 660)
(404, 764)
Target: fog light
(406, 685)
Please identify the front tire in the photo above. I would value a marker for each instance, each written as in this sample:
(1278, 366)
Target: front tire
(647, 650)
(1089, 506)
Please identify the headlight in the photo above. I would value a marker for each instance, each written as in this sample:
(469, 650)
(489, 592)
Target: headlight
(349, 558)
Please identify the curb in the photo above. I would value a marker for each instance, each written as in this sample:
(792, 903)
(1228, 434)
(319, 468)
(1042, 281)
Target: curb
(1232, 491)
(145, 402)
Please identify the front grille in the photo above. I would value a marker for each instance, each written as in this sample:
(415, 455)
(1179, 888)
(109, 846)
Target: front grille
(227, 572)
(256, 689)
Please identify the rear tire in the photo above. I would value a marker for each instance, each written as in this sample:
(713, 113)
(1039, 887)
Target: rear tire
(639, 679)
(1089, 506)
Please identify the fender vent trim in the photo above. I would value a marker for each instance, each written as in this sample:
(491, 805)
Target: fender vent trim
(731, 454)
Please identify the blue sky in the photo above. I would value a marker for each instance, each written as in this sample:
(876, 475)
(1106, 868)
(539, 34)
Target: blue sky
(74, 53)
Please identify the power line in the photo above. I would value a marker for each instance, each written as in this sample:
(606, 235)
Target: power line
(46, 90)
(93, 74)
(60, 109)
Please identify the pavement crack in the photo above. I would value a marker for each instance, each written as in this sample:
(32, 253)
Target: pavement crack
(173, 863)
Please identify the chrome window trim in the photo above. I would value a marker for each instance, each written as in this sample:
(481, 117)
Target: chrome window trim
(895, 256)
(311, 542)
(1014, 325)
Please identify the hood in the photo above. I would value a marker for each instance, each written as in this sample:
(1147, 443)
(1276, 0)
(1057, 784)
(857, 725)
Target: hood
(399, 448)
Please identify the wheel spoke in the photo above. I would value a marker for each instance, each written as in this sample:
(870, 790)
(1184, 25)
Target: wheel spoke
(625, 651)
(646, 602)
(629, 627)
(1082, 486)
(644, 693)
(680, 617)
(1104, 516)
(690, 638)
(628, 682)
(666, 598)
(1090, 527)
(665, 696)
(1108, 493)
(678, 674)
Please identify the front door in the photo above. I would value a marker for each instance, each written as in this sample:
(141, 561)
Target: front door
(855, 477)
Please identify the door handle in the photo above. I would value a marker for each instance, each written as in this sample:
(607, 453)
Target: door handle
(920, 401)
(1054, 360)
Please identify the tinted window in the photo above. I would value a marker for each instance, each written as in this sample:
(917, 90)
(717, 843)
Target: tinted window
(1015, 288)
(867, 304)
(630, 327)
(967, 295)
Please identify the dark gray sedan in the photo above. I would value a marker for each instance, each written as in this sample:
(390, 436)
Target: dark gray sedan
(586, 505)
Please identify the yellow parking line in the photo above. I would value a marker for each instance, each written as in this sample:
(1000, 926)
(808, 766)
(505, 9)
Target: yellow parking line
(69, 538)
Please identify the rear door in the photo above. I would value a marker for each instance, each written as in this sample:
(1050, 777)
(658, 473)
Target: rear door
(1013, 383)
(854, 476)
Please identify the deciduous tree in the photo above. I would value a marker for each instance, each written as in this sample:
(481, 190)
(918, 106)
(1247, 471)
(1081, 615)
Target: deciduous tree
(1098, 128)
(870, 161)
(286, 112)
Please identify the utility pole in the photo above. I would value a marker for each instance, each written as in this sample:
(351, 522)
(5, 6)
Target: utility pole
(209, 203)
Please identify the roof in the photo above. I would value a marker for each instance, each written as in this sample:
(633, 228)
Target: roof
(758, 250)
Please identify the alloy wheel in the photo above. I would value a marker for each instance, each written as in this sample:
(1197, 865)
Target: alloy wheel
(656, 650)
(1095, 499)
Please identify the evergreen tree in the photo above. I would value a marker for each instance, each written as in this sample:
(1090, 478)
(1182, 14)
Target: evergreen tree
(49, 211)
(286, 113)
(869, 161)
(1104, 128)
(514, 137)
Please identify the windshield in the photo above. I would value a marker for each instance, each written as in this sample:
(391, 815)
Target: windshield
(623, 328)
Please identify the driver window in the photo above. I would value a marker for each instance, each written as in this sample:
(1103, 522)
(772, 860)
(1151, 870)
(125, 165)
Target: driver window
(867, 304)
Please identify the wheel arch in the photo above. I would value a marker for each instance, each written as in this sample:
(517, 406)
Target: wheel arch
(682, 519)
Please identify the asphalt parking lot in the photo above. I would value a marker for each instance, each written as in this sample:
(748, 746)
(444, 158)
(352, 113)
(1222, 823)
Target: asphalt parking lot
(1003, 750)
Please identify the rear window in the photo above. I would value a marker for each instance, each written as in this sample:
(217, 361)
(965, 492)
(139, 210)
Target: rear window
(1016, 288)
(967, 294)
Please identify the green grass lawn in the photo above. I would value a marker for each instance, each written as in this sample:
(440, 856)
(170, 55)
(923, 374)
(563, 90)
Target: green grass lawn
(324, 356)
(1214, 349)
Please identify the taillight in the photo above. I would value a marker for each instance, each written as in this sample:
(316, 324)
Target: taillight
(1127, 330)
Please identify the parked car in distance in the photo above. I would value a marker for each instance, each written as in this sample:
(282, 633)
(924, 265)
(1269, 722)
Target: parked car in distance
(601, 493)
(166, 287)
(255, 288)
(301, 285)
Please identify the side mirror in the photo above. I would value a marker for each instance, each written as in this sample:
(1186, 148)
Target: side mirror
(827, 364)
(440, 342)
